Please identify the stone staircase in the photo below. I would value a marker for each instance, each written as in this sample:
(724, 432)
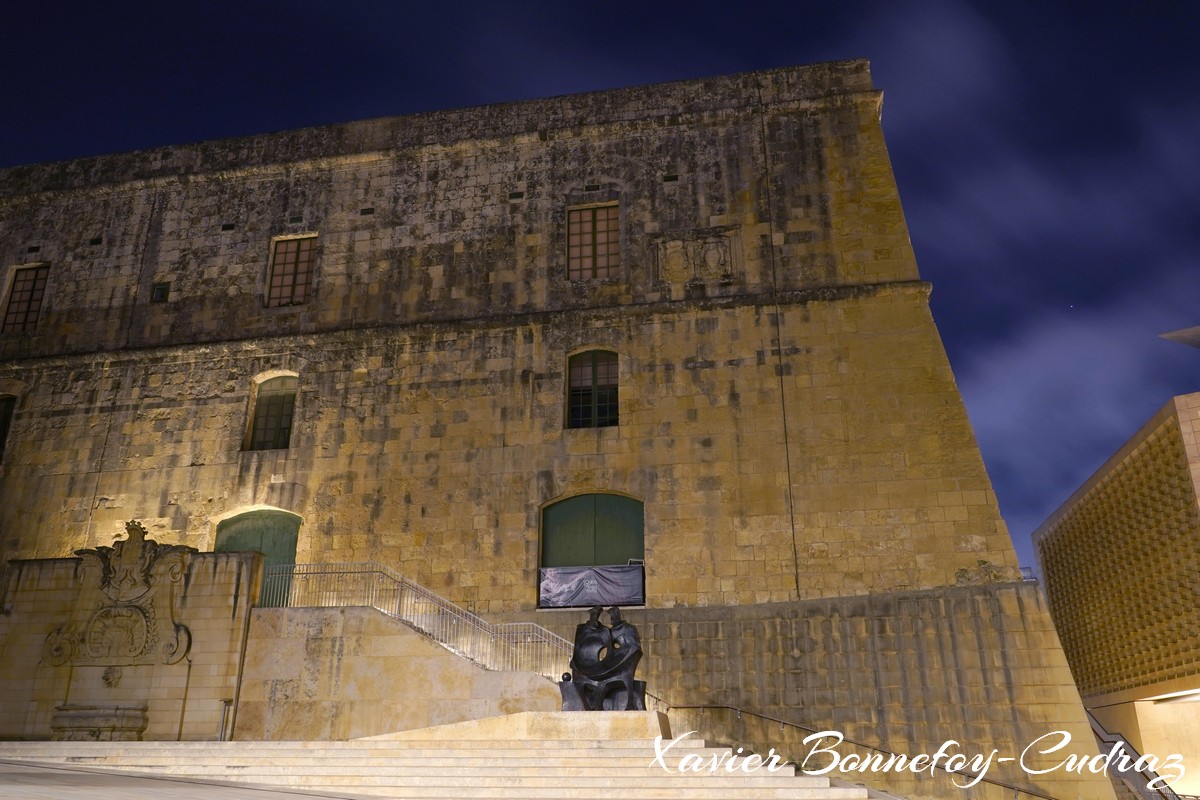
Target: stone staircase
(575, 756)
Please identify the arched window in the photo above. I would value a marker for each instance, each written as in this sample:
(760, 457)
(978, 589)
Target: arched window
(271, 413)
(593, 547)
(270, 532)
(592, 389)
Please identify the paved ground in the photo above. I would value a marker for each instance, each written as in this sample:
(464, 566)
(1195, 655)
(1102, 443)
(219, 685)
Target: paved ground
(20, 781)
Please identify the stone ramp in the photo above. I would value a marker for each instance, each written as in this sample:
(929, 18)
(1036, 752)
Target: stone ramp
(571, 756)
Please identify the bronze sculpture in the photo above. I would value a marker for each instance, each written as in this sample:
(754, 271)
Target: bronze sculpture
(602, 666)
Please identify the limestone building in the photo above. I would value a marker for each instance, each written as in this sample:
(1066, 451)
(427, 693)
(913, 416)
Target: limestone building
(666, 346)
(1121, 559)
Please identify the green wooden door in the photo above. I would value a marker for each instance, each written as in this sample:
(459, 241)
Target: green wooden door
(272, 533)
(592, 530)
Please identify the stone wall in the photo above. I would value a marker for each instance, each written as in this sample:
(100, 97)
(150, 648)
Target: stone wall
(767, 315)
(905, 671)
(343, 673)
(776, 180)
(837, 462)
(55, 658)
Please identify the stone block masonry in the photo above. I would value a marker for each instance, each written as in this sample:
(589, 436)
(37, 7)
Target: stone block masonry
(775, 421)
(901, 671)
(115, 669)
(767, 472)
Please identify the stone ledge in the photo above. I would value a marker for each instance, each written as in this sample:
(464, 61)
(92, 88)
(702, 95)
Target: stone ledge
(596, 725)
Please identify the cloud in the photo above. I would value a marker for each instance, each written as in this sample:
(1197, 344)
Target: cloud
(938, 62)
(1021, 232)
(1015, 198)
(1052, 403)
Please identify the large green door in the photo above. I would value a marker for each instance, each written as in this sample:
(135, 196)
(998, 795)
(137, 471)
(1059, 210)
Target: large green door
(272, 533)
(619, 533)
(592, 530)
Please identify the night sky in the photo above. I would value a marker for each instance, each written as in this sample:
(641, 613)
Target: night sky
(1048, 154)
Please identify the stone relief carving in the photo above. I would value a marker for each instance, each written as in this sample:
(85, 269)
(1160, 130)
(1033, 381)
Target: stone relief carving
(125, 612)
(704, 255)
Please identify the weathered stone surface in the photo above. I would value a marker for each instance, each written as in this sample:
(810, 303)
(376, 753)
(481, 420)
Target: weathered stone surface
(787, 414)
(344, 673)
(904, 671)
(75, 723)
(179, 698)
(124, 613)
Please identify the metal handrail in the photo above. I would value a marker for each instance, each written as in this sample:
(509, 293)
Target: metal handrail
(1146, 774)
(806, 729)
(508, 646)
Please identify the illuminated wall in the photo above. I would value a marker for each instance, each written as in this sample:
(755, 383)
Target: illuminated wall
(398, 302)
(784, 408)
(1121, 560)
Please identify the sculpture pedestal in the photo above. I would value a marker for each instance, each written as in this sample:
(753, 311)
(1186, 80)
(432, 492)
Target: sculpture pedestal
(72, 723)
(582, 694)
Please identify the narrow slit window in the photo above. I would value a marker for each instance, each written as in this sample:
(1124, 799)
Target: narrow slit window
(8, 404)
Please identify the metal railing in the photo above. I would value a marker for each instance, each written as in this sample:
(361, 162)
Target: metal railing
(520, 646)
(1145, 774)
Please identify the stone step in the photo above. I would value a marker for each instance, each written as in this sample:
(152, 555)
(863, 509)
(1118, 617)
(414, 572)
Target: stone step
(674, 787)
(684, 788)
(576, 765)
(526, 777)
(634, 760)
(490, 785)
(364, 745)
(512, 748)
(523, 757)
(575, 792)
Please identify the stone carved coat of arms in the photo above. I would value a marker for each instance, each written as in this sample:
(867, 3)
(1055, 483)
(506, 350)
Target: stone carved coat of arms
(124, 614)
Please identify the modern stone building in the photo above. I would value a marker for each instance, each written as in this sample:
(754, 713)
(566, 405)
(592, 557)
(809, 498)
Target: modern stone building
(1121, 559)
(664, 346)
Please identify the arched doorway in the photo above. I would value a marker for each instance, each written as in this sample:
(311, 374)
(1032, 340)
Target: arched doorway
(269, 531)
(592, 552)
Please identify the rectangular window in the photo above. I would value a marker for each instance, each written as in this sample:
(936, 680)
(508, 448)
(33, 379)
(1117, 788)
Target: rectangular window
(25, 299)
(291, 273)
(592, 390)
(593, 243)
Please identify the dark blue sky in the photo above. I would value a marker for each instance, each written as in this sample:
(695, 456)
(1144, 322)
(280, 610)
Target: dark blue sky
(1048, 154)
